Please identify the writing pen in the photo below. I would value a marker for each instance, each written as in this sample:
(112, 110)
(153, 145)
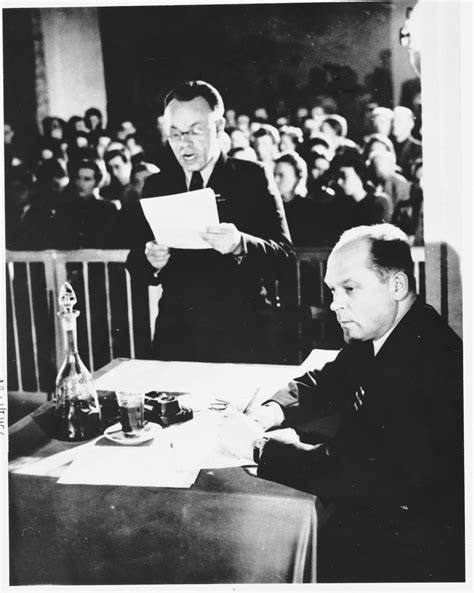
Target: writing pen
(250, 404)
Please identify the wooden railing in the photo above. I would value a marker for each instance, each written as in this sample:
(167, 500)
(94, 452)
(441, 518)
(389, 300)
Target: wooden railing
(117, 318)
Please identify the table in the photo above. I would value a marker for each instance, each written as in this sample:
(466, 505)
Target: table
(229, 527)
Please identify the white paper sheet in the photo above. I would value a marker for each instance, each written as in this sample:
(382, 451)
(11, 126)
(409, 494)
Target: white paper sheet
(317, 358)
(235, 383)
(177, 220)
(168, 461)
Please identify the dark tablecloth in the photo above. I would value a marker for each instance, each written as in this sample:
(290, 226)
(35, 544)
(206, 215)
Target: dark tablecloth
(230, 527)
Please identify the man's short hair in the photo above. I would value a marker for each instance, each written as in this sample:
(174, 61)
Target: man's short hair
(88, 164)
(388, 247)
(93, 111)
(405, 112)
(353, 161)
(337, 123)
(382, 111)
(123, 153)
(296, 134)
(187, 91)
(267, 130)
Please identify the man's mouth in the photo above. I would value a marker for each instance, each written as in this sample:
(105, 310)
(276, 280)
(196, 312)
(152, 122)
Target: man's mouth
(188, 157)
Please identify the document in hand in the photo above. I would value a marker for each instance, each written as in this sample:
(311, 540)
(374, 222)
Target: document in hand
(178, 220)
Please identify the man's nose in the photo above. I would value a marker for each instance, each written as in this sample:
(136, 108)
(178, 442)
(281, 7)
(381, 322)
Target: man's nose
(337, 301)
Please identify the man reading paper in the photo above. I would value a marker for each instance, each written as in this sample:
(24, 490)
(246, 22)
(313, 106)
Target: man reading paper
(211, 308)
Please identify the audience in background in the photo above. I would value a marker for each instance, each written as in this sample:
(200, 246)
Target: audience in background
(332, 196)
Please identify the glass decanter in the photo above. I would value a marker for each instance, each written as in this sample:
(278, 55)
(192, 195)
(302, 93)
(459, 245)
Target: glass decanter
(75, 398)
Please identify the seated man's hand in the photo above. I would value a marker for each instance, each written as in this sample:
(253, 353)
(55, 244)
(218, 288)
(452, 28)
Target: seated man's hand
(158, 255)
(224, 237)
(268, 416)
(237, 435)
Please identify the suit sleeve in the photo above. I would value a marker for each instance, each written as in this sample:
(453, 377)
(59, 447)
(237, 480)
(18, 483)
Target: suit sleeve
(316, 393)
(133, 218)
(266, 238)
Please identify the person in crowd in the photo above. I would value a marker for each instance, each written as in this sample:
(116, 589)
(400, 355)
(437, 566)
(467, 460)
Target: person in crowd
(238, 138)
(408, 215)
(101, 143)
(52, 144)
(389, 473)
(28, 218)
(135, 149)
(359, 203)
(382, 118)
(124, 129)
(83, 219)
(265, 143)
(407, 148)
(335, 127)
(94, 122)
(291, 138)
(119, 165)
(140, 172)
(76, 125)
(243, 123)
(291, 175)
(376, 142)
(52, 178)
(243, 153)
(211, 307)
(230, 116)
(12, 152)
(260, 115)
(384, 177)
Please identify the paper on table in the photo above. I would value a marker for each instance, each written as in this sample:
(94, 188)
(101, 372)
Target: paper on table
(235, 383)
(157, 465)
(177, 220)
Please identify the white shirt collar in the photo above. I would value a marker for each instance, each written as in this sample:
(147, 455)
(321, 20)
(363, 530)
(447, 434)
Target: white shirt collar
(381, 341)
(206, 172)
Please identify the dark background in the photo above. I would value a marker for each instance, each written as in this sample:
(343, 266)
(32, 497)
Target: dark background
(277, 55)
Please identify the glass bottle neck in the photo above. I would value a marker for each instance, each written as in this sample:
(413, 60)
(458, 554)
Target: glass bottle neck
(70, 341)
(69, 333)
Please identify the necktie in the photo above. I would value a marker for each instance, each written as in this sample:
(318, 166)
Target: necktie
(196, 181)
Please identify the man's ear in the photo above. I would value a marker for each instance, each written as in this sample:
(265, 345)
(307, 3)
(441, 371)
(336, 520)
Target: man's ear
(220, 124)
(400, 288)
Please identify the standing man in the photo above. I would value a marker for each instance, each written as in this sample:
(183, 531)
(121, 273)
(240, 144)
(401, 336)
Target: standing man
(212, 307)
(393, 467)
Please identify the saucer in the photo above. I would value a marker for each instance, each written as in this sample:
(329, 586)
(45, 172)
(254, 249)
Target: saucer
(114, 433)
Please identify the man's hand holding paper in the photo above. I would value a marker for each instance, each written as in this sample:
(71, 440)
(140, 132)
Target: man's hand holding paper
(158, 255)
(224, 237)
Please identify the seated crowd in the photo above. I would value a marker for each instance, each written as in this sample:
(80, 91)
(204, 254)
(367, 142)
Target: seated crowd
(70, 188)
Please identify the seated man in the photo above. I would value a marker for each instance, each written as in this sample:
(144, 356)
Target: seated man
(393, 469)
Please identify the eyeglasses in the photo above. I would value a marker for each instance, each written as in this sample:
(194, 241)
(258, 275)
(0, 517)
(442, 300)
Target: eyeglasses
(195, 132)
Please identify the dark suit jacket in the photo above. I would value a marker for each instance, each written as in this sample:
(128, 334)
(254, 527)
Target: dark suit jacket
(208, 310)
(407, 152)
(404, 444)
(84, 224)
